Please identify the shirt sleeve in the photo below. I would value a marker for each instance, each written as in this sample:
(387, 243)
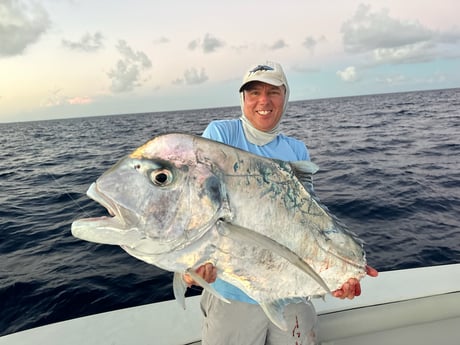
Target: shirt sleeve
(299, 148)
(212, 132)
(305, 153)
(222, 131)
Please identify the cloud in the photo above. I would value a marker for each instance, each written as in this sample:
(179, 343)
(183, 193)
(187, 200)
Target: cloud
(411, 53)
(435, 78)
(161, 40)
(240, 48)
(21, 24)
(192, 77)
(349, 74)
(310, 42)
(280, 44)
(392, 40)
(193, 45)
(126, 75)
(209, 45)
(80, 100)
(391, 79)
(56, 98)
(87, 43)
(366, 31)
(133, 57)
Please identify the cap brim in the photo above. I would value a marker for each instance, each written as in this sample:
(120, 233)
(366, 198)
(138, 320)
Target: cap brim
(271, 81)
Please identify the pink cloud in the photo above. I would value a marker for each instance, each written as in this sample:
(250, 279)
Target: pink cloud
(79, 100)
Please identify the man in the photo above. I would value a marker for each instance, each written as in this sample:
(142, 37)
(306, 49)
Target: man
(264, 97)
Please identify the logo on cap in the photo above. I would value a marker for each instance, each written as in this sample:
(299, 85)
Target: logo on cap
(261, 68)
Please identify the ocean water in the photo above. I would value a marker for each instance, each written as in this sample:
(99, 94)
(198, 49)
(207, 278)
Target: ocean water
(389, 168)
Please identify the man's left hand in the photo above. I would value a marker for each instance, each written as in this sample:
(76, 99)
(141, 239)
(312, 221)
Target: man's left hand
(352, 287)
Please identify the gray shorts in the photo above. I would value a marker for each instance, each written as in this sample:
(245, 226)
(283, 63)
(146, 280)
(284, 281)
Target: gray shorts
(242, 323)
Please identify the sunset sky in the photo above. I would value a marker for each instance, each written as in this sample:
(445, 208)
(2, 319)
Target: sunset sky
(75, 58)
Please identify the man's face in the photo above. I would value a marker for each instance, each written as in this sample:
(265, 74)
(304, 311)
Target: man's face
(263, 104)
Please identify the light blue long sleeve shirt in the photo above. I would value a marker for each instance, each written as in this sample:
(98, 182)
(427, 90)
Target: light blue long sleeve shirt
(231, 132)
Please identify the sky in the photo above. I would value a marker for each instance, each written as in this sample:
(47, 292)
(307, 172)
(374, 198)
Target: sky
(76, 58)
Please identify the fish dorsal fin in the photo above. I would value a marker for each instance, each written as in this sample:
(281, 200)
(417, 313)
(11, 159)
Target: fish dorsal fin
(205, 285)
(245, 235)
(179, 288)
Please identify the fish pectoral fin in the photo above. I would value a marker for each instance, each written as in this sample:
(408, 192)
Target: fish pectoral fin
(179, 288)
(304, 167)
(304, 171)
(245, 235)
(275, 312)
(205, 285)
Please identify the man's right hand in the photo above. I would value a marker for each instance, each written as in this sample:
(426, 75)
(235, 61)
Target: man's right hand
(207, 271)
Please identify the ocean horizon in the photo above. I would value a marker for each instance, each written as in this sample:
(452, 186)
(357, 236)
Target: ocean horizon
(207, 108)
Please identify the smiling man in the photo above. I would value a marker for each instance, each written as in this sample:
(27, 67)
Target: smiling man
(264, 96)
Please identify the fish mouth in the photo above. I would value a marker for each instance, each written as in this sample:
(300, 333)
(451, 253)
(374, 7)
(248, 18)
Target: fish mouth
(125, 218)
(94, 193)
(106, 230)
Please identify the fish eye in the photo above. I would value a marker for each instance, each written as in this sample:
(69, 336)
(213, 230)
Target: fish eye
(161, 177)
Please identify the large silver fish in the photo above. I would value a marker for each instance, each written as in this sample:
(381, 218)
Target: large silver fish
(180, 201)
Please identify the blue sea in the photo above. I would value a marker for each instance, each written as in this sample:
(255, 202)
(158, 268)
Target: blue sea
(389, 168)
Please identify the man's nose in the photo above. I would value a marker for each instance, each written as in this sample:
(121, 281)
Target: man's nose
(264, 97)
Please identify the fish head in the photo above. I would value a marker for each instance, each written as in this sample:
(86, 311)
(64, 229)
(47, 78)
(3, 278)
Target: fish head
(161, 198)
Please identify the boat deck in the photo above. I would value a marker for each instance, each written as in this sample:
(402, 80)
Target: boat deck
(417, 306)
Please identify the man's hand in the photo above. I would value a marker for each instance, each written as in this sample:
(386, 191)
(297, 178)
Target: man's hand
(207, 271)
(352, 287)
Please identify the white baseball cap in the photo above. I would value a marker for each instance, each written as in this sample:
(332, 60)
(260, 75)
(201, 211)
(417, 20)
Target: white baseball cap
(271, 73)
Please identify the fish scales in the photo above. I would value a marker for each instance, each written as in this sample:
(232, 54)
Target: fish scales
(180, 201)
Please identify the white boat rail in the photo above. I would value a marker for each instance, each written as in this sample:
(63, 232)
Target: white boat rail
(413, 306)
